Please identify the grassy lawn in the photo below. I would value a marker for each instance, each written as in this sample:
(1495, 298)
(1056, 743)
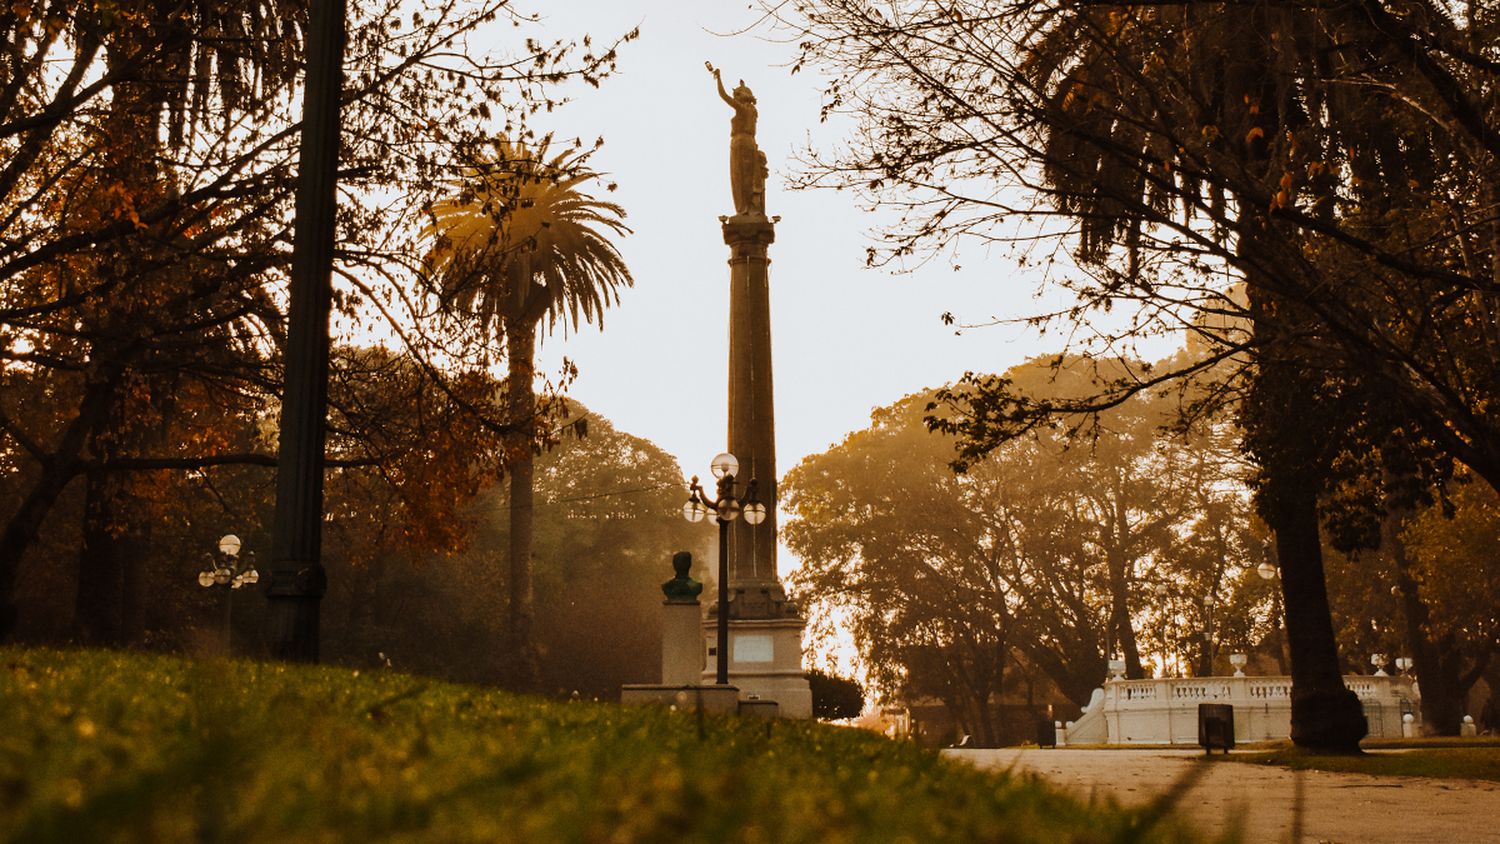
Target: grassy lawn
(101, 746)
(1450, 758)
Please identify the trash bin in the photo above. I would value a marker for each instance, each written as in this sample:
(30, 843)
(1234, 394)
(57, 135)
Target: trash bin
(1215, 726)
(1046, 733)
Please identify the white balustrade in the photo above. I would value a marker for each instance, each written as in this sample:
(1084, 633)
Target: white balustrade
(1165, 711)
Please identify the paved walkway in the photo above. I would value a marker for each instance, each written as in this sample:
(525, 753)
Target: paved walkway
(1337, 808)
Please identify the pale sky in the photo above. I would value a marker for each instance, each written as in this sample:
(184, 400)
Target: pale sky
(845, 338)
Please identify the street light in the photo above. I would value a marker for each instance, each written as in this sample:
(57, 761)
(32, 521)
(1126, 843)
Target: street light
(1208, 634)
(229, 571)
(725, 508)
(1268, 572)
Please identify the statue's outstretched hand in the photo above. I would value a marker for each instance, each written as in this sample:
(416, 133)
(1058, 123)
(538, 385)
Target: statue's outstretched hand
(712, 69)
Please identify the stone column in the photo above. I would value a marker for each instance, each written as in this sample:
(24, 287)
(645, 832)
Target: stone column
(765, 628)
(752, 431)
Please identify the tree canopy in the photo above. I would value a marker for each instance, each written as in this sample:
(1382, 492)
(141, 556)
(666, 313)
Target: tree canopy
(1336, 163)
(1028, 570)
(145, 230)
(1170, 154)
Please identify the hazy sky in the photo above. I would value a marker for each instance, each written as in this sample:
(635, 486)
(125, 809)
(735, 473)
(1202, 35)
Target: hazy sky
(845, 339)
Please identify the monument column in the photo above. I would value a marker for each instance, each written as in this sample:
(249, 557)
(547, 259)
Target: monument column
(752, 428)
(765, 653)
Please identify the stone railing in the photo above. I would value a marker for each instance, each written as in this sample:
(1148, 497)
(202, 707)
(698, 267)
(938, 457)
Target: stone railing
(1165, 711)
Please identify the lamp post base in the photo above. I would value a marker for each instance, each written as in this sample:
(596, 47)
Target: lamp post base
(294, 596)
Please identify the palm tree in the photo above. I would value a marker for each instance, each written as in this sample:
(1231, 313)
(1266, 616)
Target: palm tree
(519, 245)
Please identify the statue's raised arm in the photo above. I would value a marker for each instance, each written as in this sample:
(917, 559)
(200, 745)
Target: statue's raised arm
(723, 94)
(746, 171)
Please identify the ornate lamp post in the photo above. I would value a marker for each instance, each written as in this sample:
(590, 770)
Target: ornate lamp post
(297, 578)
(725, 508)
(1268, 572)
(229, 571)
(1208, 635)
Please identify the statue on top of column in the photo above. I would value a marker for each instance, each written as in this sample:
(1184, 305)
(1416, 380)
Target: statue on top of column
(747, 164)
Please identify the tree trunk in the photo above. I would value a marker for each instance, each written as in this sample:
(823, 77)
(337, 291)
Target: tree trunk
(1489, 301)
(520, 348)
(1326, 716)
(1442, 705)
(132, 152)
(98, 611)
(987, 685)
(984, 714)
(1119, 619)
(58, 469)
(109, 609)
(112, 563)
(1291, 428)
(1489, 714)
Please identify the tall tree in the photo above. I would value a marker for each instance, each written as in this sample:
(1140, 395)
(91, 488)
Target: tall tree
(886, 535)
(121, 292)
(521, 244)
(1181, 147)
(1040, 556)
(1436, 574)
(157, 70)
(1164, 148)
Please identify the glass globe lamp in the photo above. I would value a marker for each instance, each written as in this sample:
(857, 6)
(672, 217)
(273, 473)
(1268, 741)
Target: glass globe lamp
(725, 464)
(729, 510)
(755, 513)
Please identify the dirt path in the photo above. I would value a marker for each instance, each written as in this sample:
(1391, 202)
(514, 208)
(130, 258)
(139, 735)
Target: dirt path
(1337, 808)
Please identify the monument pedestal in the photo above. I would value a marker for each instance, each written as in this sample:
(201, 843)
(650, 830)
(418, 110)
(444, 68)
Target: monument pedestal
(682, 643)
(716, 700)
(765, 662)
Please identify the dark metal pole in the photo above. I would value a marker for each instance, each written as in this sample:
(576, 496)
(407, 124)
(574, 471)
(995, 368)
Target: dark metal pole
(1208, 640)
(228, 626)
(722, 677)
(297, 580)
